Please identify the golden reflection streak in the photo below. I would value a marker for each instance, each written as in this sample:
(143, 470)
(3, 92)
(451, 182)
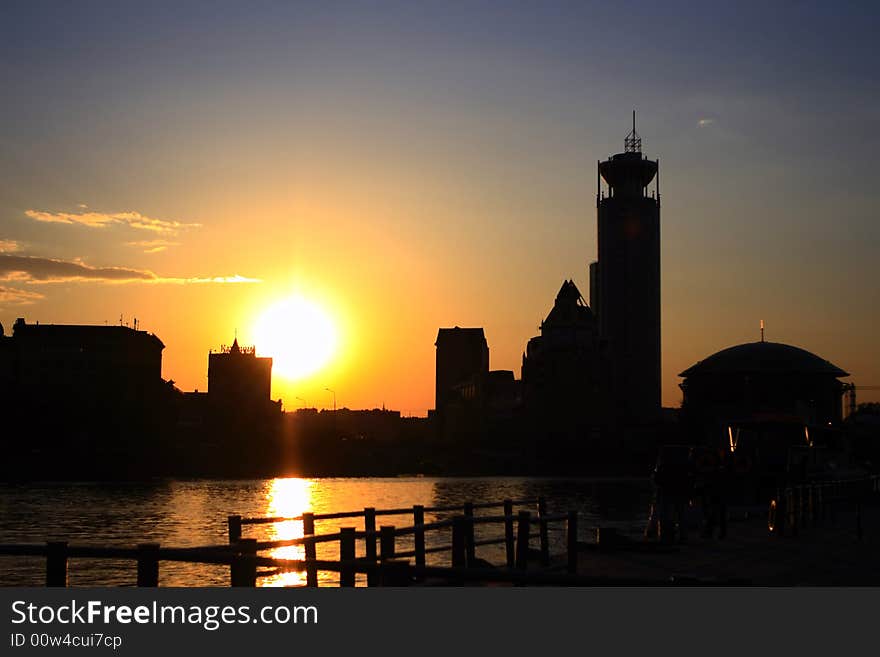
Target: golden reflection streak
(287, 498)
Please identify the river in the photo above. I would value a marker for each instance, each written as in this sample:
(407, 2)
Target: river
(187, 513)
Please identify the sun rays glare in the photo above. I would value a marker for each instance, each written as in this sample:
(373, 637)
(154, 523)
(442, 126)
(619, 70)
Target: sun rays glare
(298, 335)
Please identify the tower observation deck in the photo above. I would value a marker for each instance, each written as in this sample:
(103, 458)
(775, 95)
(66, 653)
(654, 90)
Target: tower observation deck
(626, 280)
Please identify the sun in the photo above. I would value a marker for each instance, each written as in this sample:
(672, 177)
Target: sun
(298, 335)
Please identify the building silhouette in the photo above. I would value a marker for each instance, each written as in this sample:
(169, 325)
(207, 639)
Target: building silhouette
(462, 355)
(81, 366)
(237, 376)
(762, 382)
(562, 369)
(82, 400)
(590, 383)
(775, 409)
(625, 281)
(235, 428)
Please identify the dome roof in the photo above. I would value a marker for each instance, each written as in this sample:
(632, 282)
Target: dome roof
(764, 358)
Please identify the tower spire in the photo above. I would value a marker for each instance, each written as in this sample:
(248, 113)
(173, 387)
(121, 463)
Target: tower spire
(633, 142)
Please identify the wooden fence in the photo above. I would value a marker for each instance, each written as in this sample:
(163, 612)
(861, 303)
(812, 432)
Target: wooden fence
(383, 566)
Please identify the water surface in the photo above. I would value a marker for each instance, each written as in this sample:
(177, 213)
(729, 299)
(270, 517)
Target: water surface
(188, 513)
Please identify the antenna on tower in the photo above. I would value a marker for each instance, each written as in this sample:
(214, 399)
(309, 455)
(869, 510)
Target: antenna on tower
(633, 143)
(762, 330)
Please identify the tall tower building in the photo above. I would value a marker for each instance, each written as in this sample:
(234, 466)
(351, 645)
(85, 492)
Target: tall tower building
(626, 280)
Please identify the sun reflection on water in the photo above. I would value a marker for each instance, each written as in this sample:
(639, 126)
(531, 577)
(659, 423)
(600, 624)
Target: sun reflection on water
(288, 498)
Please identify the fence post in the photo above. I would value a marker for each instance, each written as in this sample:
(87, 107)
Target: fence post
(56, 563)
(571, 527)
(310, 549)
(459, 551)
(419, 534)
(243, 570)
(522, 540)
(148, 564)
(234, 523)
(508, 533)
(370, 526)
(469, 539)
(374, 573)
(346, 554)
(542, 524)
(386, 542)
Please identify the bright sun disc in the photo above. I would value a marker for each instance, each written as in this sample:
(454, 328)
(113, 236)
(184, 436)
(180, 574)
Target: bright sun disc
(298, 335)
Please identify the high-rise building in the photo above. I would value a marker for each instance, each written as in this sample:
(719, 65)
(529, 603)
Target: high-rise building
(462, 353)
(626, 281)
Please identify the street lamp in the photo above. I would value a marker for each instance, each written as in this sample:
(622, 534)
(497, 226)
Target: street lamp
(334, 397)
(303, 401)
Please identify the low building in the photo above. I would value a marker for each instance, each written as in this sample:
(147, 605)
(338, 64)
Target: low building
(760, 380)
(462, 354)
(82, 366)
(81, 401)
(777, 408)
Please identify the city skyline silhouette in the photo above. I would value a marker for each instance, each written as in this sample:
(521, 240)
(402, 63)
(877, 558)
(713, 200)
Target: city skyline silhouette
(194, 182)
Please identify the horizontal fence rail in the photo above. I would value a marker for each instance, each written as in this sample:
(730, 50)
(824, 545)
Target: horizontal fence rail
(382, 562)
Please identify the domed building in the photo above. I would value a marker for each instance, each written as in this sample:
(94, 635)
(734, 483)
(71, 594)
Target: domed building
(766, 401)
(764, 380)
(776, 408)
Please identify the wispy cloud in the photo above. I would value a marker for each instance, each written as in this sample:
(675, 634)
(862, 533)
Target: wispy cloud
(9, 246)
(213, 279)
(35, 269)
(152, 246)
(103, 219)
(11, 296)
(705, 122)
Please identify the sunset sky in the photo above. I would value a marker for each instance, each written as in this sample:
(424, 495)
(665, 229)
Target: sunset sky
(411, 165)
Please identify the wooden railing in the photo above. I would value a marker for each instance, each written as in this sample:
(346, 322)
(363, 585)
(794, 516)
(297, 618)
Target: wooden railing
(384, 566)
(516, 536)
